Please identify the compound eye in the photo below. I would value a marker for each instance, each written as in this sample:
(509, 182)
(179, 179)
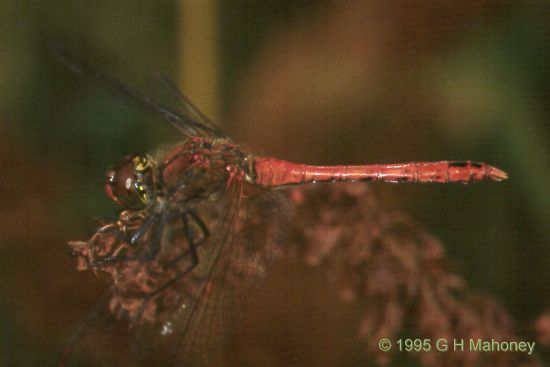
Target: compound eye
(124, 187)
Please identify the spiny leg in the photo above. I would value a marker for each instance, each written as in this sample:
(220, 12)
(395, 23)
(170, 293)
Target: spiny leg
(193, 244)
(201, 226)
(156, 243)
(192, 252)
(123, 236)
(153, 249)
(141, 231)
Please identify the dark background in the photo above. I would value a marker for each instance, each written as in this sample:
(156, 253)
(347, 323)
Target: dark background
(315, 81)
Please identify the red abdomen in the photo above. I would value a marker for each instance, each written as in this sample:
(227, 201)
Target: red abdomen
(270, 172)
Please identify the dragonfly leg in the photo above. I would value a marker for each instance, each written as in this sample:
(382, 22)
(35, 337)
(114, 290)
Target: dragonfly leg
(121, 233)
(190, 238)
(192, 245)
(192, 249)
(114, 231)
(137, 234)
(198, 221)
(155, 244)
(192, 252)
(153, 249)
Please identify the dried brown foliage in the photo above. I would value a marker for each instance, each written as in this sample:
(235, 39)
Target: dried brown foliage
(381, 259)
(400, 273)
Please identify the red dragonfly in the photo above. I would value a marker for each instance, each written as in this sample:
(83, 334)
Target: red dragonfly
(200, 224)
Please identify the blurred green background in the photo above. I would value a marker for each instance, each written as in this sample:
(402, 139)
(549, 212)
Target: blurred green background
(325, 82)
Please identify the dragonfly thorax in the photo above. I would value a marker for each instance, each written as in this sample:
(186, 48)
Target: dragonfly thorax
(131, 184)
(198, 169)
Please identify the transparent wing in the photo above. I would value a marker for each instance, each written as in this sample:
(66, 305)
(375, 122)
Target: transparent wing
(239, 263)
(190, 122)
(187, 323)
(184, 106)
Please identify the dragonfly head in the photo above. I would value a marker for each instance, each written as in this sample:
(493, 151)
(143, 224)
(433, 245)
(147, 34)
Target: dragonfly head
(131, 184)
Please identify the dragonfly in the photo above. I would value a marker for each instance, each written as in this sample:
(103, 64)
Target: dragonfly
(199, 225)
